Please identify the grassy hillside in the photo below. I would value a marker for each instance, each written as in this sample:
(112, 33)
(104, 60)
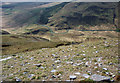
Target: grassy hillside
(75, 14)
(12, 44)
(65, 61)
(20, 14)
(63, 16)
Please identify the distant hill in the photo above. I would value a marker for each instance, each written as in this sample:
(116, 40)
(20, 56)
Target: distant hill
(77, 13)
(67, 15)
(24, 13)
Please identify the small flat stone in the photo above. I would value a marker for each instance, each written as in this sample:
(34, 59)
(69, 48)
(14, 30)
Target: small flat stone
(24, 72)
(96, 51)
(77, 73)
(89, 72)
(57, 61)
(100, 64)
(99, 59)
(72, 77)
(42, 67)
(38, 65)
(5, 59)
(105, 69)
(77, 54)
(86, 75)
(98, 71)
(50, 79)
(18, 79)
(53, 55)
(31, 58)
(68, 80)
(83, 54)
(58, 66)
(21, 57)
(53, 71)
(31, 75)
(86, 63)
(10, 74)
(97, 77)
(107, 73)
(84, 59)
(69, 62)
(94, 47)
(95, 67)
(110, 63)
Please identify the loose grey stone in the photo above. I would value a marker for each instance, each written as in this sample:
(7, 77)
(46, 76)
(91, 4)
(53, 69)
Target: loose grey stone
(31, 75)
(77, 54)
(72, 77)
(105, 69)
(38, 65)
(58, 66)
(83, 54)
(21, 57)
(100, 64)
(110, 63)
(99, 59)
(42, 67)
(24, 72)
(118, 71)
(97, 77)
(77, 73)
(113, 76)
(22, 64)
(107, 73)
(18, 80)
(57, 61)
(96, 51)
(95, 67)
(86, 63)
(69, 62)
(68, 80)
(50, 79)
(53, 71)
(31, 58)
(94, 47)
(89, 72)
(84, 59)
(5, 59)
(86, 75)
(10, 74)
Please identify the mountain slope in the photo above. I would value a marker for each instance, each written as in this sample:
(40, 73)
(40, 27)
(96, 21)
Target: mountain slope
(67, 15)
(75, 14)
(20, 14)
